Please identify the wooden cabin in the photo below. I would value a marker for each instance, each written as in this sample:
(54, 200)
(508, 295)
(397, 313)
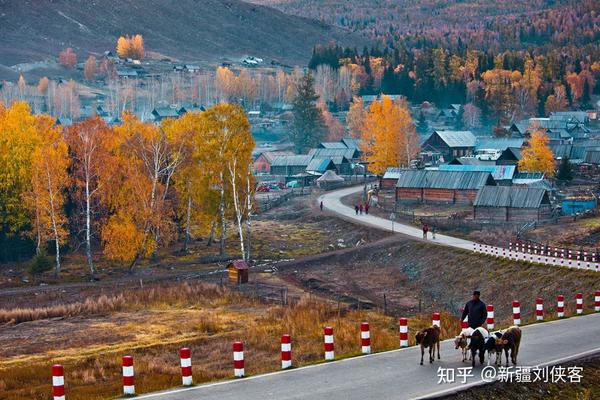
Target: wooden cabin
(512, 204)
(238, 272)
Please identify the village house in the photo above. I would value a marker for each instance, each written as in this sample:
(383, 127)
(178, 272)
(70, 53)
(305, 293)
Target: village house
(450, 144)
(502, 174)
(447, 187)
(262, 163)
(318, 166)
(390, 178)
(290, 165)
(512, 204)
(341, 157)
(160, 113)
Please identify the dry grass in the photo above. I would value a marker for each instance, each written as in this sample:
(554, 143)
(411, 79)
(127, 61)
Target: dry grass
(158, 321)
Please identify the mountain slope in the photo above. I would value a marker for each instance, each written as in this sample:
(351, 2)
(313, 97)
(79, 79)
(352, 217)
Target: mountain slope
(187, 29)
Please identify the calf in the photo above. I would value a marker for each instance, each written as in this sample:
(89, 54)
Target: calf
(492, 348)
(429, 337)
(477, 345)
(461, 342)
(510, 341)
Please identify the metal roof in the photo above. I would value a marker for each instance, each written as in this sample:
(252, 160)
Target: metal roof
(498, 143)
(333, 145)
(393, 173)
(320, 164)
(592, 155)
(296, 160)
(330, 176)
(351, 143)
(348, 153)
(471, 161)
(511, 196)
(457, 138)
(429, 179)
(499, 172)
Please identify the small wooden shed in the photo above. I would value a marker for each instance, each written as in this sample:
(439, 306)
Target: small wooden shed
(238, 272)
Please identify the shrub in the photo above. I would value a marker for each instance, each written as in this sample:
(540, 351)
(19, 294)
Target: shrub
(39, 264)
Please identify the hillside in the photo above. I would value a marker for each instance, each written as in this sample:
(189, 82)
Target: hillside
(185, 29)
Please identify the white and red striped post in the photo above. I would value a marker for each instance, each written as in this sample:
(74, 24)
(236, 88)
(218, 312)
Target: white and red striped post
(238, 359)
(539, 309)
(435, 319)
(597, 301)
(464, 324)
(329, 349)
(286, 351)
(560, 306)
(516, 312)
(365, 338)
(490, 316)
(185, 355)
(403, 332)
(579, 301)
(58, 382)
(128, 376)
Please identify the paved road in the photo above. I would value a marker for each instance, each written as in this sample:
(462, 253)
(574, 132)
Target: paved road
(332, 201)
(396, 374)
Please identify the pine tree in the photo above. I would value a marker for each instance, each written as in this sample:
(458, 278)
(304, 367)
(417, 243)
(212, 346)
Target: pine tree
(422, 125)
(308, 125)
(565, 170)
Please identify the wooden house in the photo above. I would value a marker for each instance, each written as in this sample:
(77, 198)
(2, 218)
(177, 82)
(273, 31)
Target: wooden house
(290, 165)
(450, 144)
(263, 162)
(446, 187)
(238, 272)
(512, 204)
(390, 178)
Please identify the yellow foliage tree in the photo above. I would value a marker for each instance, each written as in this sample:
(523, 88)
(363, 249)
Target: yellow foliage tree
(49, 181)
(389, 137)
(131, 47)
(356, 117)
(537, 156)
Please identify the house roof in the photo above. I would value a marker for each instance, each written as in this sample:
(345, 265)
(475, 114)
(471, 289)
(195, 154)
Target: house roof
(470, 161)
(511, 196)
(592, 155)
(457, 138)
(165, 112)
(462, 180)
(499, 172)
(351, 143)
(272, 155)
(238, 264)
(295, 161)
(330, 176)
(332, 145)
(527, 178)
(511, 153)
(498, 143)
(393, 173)
(320, 165)
(348, 153)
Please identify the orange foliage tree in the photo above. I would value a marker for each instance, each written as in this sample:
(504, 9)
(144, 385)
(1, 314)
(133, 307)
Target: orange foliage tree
(90, 68)
(67, 58)
(389, 137)
(131, 47)
(537, 156)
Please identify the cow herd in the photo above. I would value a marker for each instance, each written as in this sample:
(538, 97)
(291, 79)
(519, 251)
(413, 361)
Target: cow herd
(476, 341)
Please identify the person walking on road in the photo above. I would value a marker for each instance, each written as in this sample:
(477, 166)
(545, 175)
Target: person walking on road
(321, 206)
(367, 208)
(360, 208)
(425, 230)
(356, 209)
(476, 310)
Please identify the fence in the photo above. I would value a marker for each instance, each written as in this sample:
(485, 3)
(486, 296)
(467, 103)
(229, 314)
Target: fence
(535, 256)
(544, 249)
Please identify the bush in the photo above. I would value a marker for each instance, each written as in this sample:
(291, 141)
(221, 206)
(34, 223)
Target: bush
(39, 264)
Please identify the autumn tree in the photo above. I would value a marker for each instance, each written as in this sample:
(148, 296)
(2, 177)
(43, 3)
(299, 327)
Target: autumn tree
(43, 86)
(389, 136)
(92, 162)
(471, 116)
(537, 156)
(308, 126)
(335, 130)
(67, 58)
(131, 47)
(49, 182)
(228, 155)
(356, 117)
(499, 94)
(557, 101)
(90, 68)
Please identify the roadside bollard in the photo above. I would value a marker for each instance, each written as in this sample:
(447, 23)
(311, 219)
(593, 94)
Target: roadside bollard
(185, 356)
(128, 376)
(58, 382)
(328, 337)
(539, 309)
(560, 306)
(238, 359)
(286, 351)
(403, 332)
(365, 338)
(597, 301)
(435, 319)
(516, 312)
(579, 301)
(490, 317)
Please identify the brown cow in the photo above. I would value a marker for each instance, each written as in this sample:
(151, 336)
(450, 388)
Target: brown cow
(429, 337)
(510, 340)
